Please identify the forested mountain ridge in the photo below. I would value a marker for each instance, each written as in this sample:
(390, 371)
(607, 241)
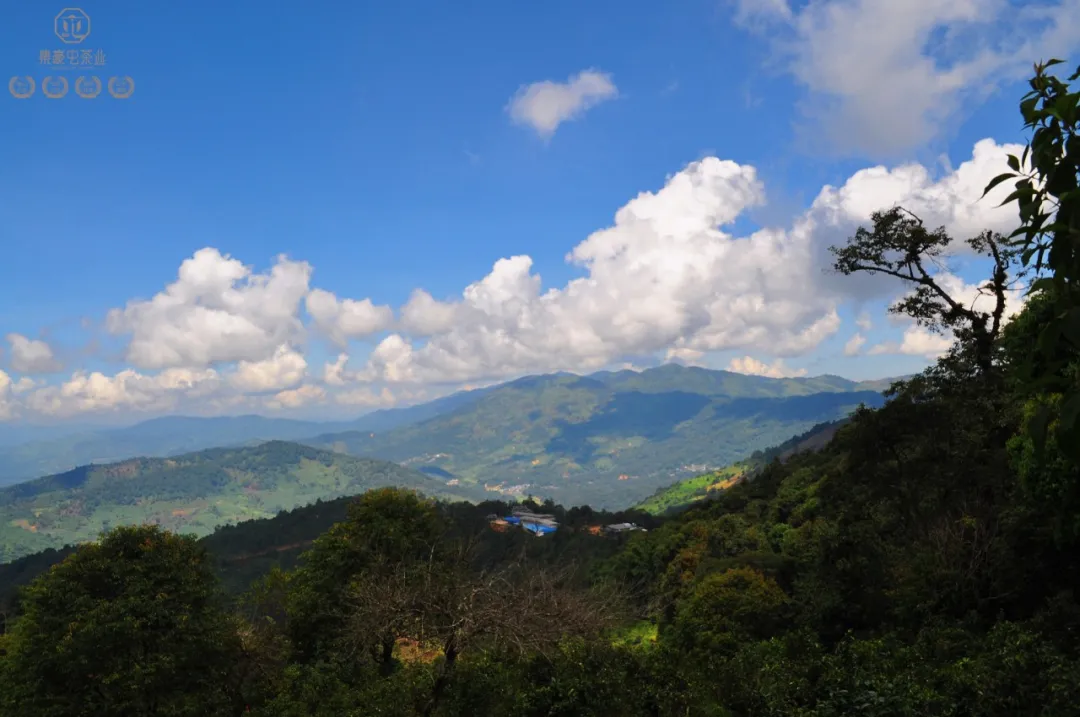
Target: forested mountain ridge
(175, 435)
(609, 439)
(193, 493)
(611, 445)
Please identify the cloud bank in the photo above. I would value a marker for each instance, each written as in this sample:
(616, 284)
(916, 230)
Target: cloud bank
(668, 278)
(882, 77)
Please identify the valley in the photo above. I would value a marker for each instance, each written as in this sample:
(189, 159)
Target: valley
(193, 493)
(609, 440)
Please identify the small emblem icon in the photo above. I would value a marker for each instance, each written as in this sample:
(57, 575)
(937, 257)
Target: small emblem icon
(72, 25)
(121, 87)
(21, 87)
(88, 87)
(54, 87)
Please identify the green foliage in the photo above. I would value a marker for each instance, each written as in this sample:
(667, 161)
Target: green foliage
(725, 610)
(194, 493)
(1047, 197)
(131, 625)
(682, 494)
(384, 529)
(1050, 477)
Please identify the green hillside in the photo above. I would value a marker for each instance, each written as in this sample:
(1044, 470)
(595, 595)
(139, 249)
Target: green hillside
(690, 490)
(174, 435)
(610, 439)
(245, 551)
(191, 493)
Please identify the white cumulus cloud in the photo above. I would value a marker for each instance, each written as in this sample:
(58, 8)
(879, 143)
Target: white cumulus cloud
(297, 397)
(90, 392)
(754, 367)
(545, 105)
(344, 319)
(7, 405)
(217, 310)
(667, 278)
(32, 355)
(284, 369)
(424, 316)
(851, 348)
(335, 374)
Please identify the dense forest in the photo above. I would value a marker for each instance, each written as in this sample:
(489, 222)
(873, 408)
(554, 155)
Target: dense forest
(190, 493)
(924, 562)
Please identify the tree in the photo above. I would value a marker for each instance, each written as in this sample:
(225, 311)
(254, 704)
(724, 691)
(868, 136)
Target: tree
(384, 530)
(726, 609)
(1047, 196)
(132, 625)
(447, 603)
(899, 245)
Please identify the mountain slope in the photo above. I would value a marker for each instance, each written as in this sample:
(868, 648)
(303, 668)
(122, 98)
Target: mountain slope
(609, 439)
(174, 435)
(190, 493)
(708, 382)
(688, 491)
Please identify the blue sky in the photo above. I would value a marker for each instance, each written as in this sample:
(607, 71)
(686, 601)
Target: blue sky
(397, 146)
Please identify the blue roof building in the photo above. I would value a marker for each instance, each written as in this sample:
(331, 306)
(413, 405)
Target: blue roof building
(540, 528)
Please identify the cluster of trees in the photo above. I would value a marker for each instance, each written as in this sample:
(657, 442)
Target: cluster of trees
(925, 562)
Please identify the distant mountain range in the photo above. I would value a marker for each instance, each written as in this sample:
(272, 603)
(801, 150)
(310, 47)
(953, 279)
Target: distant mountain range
(609, 439)
(192, 493)
(175, 435)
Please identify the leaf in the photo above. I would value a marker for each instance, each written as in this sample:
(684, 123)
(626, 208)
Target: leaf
(1037, 429)
(1070, 325)
(1020, 192)
(1070, 410)
(1014, 163)
(1044, 283)
(999, 179)
(1068, 429)
(1048, 338)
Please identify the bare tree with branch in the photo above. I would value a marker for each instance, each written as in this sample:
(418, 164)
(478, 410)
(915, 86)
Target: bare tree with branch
(448, 603)
(900, 246)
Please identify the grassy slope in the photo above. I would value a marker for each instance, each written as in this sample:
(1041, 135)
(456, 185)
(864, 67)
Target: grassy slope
(574, 438)
(688, 491)
(192, 493)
